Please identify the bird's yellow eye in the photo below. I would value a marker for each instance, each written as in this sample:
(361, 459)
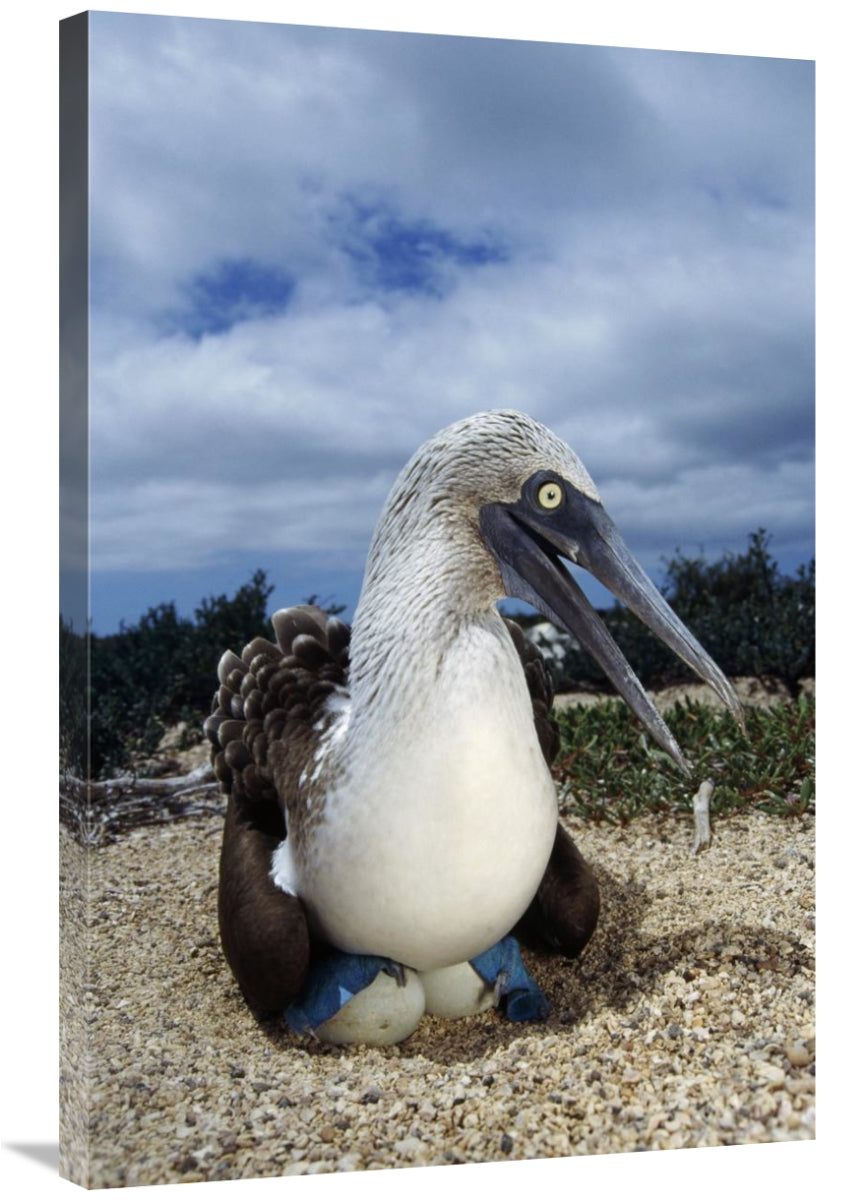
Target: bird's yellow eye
(550, 495)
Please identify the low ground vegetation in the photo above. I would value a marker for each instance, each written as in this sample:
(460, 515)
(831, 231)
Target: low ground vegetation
(770, 767)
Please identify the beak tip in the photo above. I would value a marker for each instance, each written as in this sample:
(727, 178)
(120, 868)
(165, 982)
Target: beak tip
(738, 712)
(682, 762)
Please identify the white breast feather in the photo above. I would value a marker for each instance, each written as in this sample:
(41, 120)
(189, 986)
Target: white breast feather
(437, 842)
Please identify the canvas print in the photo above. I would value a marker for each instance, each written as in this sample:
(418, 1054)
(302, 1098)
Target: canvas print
(437, 600)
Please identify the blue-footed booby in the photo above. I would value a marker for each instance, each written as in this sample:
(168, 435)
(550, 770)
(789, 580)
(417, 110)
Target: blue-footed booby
(390, 795)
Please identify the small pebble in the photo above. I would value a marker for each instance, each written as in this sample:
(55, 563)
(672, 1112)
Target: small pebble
(797, 1054)
(774, 1075)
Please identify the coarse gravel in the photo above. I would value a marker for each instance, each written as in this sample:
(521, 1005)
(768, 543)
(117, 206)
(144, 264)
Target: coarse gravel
(689, 1021)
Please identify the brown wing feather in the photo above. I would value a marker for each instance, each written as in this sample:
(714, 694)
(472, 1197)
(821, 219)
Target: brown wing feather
(263, 929)
(271, 696)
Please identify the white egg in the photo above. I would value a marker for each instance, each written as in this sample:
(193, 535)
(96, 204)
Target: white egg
(457, 991)
(380, 1015)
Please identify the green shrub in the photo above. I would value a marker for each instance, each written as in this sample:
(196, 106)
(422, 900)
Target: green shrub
(748, 616)
(73, 700)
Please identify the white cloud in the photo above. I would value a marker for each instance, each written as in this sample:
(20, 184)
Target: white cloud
(654, 306)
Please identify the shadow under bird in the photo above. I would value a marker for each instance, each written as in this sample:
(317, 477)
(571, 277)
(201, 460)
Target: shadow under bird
(392, 817)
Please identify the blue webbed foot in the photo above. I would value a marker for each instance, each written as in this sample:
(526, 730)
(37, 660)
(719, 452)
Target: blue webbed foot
(358, 999)
(515, 990)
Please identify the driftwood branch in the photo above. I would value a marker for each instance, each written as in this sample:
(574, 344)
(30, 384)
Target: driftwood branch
(200, 779)
(96, 810)
(701, 809)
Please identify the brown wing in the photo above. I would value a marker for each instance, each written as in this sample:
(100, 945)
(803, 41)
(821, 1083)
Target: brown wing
(272, 696)
(564, 911)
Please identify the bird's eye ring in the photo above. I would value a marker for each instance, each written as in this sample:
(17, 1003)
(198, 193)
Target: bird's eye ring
(549, 495)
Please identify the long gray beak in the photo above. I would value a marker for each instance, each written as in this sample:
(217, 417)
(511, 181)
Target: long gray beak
(526, 540)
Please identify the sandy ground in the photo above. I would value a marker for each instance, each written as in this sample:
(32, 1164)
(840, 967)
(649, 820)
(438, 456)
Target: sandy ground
(688, 1022)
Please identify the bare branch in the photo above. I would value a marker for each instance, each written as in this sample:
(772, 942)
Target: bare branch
(200, 779)
(701, 809)
(98, 810)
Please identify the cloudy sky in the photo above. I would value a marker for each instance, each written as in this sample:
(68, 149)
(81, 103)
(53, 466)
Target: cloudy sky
(312, 248)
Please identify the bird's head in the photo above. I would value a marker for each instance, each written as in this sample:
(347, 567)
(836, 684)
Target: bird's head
(535, 506)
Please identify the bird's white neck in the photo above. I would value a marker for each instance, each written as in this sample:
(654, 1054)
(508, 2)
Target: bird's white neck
(419, 597)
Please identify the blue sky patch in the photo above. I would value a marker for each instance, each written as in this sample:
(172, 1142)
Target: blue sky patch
(394, 255)
(236, 289)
